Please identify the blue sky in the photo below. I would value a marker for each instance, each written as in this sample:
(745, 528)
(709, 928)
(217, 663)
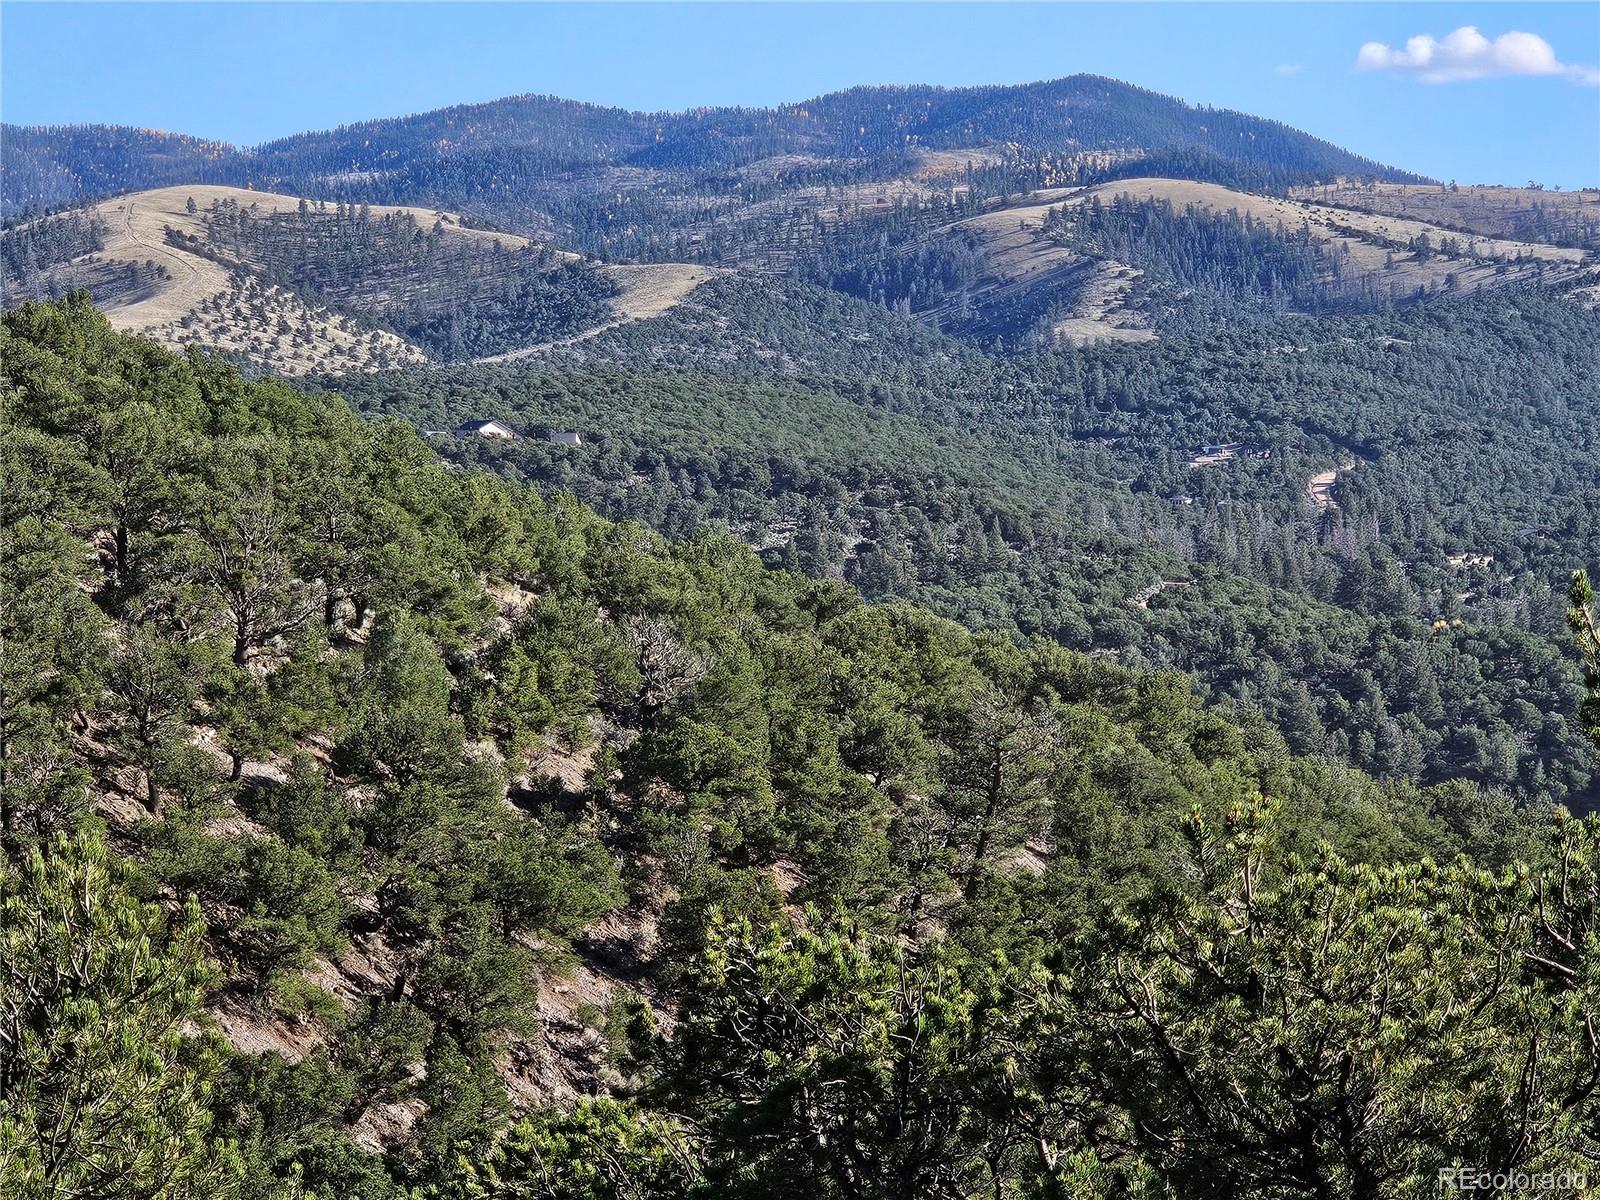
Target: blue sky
(246, 72)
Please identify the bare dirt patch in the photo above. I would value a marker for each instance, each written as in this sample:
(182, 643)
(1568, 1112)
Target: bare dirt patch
(1142, 598)
(935, 164)
(649, 289)
(1101, 311)
(1320, 487)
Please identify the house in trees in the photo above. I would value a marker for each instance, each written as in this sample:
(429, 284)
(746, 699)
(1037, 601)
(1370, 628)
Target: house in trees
(1221, 452)
(566, 437)
(486, 429)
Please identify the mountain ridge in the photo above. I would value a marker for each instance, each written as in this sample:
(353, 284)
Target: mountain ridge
(47, 166)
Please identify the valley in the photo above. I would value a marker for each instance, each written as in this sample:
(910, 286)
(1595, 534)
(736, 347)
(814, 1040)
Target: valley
(919, 643)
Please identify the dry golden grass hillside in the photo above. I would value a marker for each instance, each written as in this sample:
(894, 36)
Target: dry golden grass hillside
(1531, 214)
(219, 301)
(1019, 258)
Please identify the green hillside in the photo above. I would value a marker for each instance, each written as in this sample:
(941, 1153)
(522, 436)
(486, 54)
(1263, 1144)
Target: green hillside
(334, 776)
(1050, 494)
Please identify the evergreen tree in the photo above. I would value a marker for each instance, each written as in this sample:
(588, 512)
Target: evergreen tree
(102, 1090)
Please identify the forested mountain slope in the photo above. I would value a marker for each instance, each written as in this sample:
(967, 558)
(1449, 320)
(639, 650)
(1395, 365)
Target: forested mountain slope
(873, 123)
(380, 805)
(595, 175)
(51, 166)
(995, 213)
(1405, 616)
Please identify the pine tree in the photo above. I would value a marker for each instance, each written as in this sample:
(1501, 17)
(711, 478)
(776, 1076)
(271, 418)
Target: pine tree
(101, 1093)
(1581, 618)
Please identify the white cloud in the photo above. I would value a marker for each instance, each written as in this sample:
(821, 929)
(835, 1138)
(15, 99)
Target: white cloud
(1467, 54)
(1288, 68)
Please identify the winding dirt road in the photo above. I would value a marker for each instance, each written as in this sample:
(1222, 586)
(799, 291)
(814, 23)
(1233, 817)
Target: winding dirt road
(1320, 486)
(194, 279)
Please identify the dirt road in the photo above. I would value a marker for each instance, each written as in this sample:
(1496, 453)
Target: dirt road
(1320, 486)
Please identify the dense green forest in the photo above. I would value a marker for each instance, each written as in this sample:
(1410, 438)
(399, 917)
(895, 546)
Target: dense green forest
(1049, 494)
(892, 260)
(48, 167)
(308, 736)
